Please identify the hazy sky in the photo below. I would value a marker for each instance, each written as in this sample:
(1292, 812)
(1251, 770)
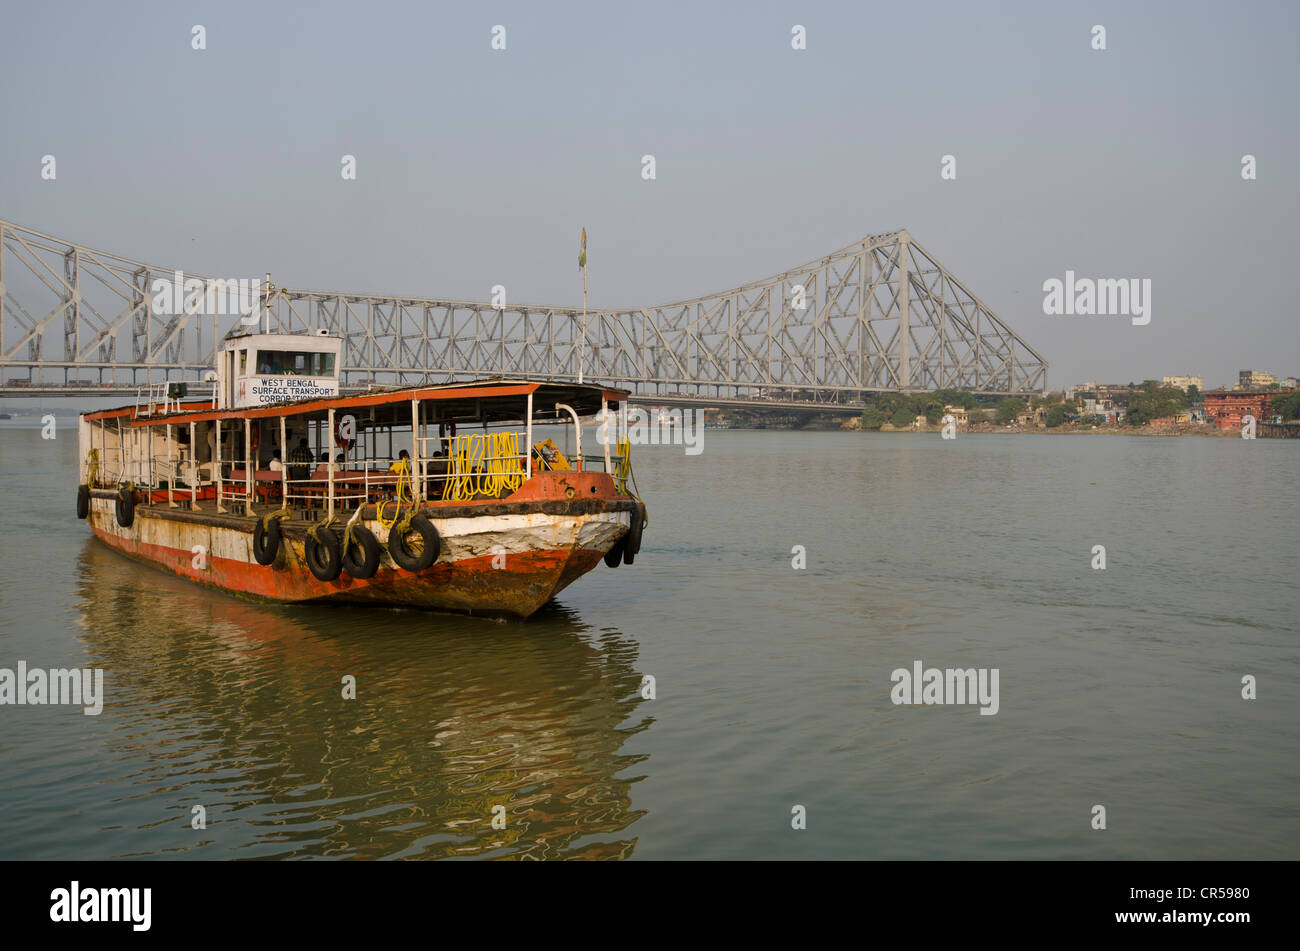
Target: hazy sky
(478, 167)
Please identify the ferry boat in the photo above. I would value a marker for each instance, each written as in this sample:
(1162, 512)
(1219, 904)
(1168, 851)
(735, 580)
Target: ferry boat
(432, 496)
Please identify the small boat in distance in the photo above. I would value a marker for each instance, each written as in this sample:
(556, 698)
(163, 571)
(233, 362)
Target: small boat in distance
(429, 496)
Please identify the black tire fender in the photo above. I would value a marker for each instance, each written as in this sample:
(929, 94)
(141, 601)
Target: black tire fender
(614, 557)
(83, 501)
(402, 554)
(125, 507)
(633, 537)
(266, 540)
(361, 555)
(323, 558)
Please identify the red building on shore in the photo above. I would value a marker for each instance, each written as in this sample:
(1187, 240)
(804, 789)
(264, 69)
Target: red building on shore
(1224, 408)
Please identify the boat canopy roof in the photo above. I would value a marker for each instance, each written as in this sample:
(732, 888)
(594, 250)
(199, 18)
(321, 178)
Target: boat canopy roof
(487, 401)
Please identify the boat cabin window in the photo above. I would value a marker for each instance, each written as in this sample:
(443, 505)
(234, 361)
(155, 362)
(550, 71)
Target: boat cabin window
(294, 362)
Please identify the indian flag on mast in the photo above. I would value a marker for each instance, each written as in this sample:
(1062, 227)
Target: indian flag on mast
(582, 266)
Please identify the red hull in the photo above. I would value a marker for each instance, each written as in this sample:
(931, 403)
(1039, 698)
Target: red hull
(500, 559)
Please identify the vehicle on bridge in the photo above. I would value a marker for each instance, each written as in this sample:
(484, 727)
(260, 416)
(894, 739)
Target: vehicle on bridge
(280, 488)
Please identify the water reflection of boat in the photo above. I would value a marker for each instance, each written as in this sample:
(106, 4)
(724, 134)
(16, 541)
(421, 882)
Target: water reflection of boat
(242, 708)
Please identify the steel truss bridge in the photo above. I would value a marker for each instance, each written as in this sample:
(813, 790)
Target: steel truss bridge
(881, 315)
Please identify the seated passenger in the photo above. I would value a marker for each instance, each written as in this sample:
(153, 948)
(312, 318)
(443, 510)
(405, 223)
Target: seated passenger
(276, 465)
(300, 454)
(400, 468)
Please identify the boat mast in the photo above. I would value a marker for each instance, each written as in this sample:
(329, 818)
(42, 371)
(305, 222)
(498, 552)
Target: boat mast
(582, 263)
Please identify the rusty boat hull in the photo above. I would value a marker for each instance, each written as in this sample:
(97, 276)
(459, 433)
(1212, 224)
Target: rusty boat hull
(267, 493)
(500, 558)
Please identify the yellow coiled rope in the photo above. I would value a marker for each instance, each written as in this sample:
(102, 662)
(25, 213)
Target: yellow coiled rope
(623, 474)
(405, 495)
(623, 468)
(504, 466)
(486, 464)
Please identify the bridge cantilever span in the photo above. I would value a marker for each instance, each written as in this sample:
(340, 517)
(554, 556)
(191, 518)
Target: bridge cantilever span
(878, 315)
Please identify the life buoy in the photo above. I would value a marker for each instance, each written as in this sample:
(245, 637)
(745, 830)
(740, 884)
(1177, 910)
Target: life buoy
(401, 552)
(83, 501)
(345, 444)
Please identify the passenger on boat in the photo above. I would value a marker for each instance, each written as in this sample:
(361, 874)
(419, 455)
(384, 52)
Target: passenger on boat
(436, 467)
(400, 468)
(276, 465)
(300, 459)
(300, 454)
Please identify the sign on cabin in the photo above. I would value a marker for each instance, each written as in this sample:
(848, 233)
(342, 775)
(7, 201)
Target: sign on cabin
(262, 369)
(258, 391)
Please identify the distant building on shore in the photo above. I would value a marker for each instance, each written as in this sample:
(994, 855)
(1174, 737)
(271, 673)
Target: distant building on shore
(1250, 379)
(1225, 408)
(1033, 417)
(1183, 382)
(1181, 418)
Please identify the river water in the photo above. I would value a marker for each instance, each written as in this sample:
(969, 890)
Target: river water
(1119, 687)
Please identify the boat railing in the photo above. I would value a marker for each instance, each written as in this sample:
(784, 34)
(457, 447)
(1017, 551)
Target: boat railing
(156, 398)
(460, 468)
(156, 473)
(164, 470)
(352, 484)
(236, 489)
(109, 467)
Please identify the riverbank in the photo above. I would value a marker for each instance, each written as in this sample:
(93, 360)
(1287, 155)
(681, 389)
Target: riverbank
(1203, 430)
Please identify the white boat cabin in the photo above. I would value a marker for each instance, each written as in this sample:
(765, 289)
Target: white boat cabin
(257, 369)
